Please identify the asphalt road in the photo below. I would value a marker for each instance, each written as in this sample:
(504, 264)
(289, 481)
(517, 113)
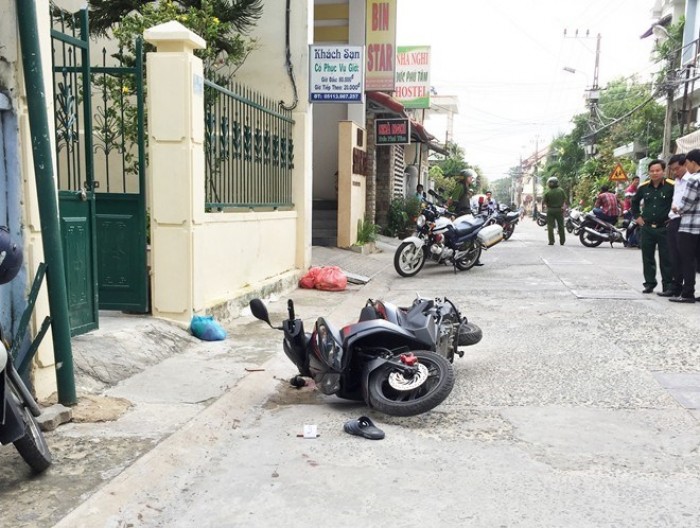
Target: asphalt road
(578, 408)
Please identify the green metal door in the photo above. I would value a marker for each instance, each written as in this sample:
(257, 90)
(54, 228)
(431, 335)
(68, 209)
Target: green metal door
(120, 170)
(74, 166)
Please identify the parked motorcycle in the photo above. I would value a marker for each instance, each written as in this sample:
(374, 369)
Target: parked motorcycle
(17, 406)
(541, 219)
(442, 240)
(388, 366)
(507, 219)
(17, 415)
(574, 217)
(594, 232)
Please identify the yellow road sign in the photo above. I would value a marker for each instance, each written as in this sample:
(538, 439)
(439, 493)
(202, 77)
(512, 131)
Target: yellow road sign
(618, 174)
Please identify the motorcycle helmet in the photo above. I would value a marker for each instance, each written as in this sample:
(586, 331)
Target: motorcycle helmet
(10, 257)
(467, 172)
(553, 182)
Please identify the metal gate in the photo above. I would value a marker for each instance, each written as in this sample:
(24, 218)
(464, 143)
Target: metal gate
(103, 221)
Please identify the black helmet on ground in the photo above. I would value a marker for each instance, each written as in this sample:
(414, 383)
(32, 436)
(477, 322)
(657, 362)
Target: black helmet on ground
(10, 257)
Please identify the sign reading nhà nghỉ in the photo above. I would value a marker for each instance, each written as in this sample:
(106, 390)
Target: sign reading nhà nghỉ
(336, 74)
(380, 39)
(392, 131)
(413, 76)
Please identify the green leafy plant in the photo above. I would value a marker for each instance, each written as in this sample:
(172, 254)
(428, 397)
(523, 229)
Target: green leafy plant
(367, 231)
(401, 216)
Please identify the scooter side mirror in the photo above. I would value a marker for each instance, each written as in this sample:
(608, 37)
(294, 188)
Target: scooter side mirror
(259, 311)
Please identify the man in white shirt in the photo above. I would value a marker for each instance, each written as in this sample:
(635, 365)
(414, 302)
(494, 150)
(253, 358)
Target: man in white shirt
(678, 171)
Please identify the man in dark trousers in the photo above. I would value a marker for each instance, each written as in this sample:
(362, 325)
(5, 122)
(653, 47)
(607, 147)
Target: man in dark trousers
(657, 193)
(680, 177)
(553, 201)
(689, 228)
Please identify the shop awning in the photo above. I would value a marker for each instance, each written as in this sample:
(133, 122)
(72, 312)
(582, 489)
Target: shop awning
(688, 142)
(383, 102)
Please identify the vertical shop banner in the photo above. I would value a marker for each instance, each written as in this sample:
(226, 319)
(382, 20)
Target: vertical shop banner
(335, 74)
(380, 45)
(413, 76)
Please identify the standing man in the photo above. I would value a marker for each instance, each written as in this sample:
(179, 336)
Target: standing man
(680, 178)
(657, 193)
(553, 201)
(463, 192)
(689, 227)
(632, 189)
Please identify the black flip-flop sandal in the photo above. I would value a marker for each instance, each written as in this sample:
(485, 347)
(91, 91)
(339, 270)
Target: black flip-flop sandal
(364, 427)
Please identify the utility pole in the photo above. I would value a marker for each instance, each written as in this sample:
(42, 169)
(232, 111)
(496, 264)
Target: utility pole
(592, 93)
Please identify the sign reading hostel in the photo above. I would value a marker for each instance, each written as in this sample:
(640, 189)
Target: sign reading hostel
(413, 76)
(392, 131)
(336, 74)
(618, 174)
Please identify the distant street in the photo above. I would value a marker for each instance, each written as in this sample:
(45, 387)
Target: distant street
(578, 408)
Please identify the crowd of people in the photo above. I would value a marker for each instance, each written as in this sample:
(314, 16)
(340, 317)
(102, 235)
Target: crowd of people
(667, 211)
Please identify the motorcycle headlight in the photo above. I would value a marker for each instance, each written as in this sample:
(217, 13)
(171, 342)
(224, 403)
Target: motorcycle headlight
(420, 221)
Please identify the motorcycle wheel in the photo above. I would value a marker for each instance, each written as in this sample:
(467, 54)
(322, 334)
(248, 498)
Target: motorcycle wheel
(508, 231)
(472, 258)
(587, 240)
(32, 446)
(469, 334)
(569, 227)
(408, 259)
(541, 222)
(412, 398)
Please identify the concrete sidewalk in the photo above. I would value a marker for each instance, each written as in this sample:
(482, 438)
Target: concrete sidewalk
(141, 379)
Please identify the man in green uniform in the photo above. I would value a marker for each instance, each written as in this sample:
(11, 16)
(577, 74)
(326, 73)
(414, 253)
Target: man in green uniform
(657, 194)
(553, 201)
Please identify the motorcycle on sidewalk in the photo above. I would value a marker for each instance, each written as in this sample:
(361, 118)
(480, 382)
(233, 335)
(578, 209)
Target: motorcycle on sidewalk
(441, 240)
(594, 231)
(18, 409)
(398, 361)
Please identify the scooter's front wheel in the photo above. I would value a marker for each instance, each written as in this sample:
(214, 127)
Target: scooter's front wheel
(391, 392)
(408, 259)
(32, 447)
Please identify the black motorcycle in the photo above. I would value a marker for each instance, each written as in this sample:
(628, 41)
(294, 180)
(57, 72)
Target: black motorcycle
(17, 415)
(594, 231)
(390, 367)
(541, 219)
(507, 219)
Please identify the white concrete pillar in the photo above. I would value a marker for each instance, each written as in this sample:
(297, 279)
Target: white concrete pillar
(176, 164)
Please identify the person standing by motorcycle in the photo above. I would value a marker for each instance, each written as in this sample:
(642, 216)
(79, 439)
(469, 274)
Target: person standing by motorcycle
(553, 202)
(657, 193)
(607, 206)
(689, 228)
(462, 194)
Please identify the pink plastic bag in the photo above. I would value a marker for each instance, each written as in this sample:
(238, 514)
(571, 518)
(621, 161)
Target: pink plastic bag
(328, 278)
(309, 278)
(331, 278)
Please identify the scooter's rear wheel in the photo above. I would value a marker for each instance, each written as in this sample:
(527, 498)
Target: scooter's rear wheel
(392, 393)
(472, 257)
(588, 240)
(508, 231)
(32, 447)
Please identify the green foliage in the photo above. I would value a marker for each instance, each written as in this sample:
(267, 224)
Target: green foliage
(501, 190)
(367, 231)
(226, 47)
(402, 215)
(669, 50)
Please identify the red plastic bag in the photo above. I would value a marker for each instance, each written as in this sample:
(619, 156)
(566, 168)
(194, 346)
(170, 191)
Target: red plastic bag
(331, 278)
(309, 278)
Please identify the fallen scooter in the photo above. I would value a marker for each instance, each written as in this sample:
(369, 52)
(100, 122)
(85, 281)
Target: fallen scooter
(390, 368)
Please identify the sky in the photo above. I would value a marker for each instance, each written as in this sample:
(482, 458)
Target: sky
(504, 59)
